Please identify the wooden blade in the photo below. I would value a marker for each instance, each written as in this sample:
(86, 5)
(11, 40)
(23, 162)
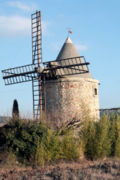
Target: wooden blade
(69, 66)
(19, 74)
(36, 38)
(38, 97)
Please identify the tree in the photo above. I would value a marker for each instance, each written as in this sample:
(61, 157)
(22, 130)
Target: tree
(15, 110)
(113, 132)
(103, 145)
(117, 143)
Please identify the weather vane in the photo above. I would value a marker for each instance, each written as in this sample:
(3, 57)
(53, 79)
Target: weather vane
(69, 31)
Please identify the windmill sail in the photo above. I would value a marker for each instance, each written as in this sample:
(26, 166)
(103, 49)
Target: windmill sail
(19, 74)
(36, 38)
(30, 72)
(37, 84)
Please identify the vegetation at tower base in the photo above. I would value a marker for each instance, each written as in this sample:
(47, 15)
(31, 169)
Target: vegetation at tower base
(15, 110)
(96, 138)
(34, 143)
(117, 137)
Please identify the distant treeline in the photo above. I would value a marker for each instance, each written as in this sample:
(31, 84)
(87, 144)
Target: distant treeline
(109, 111)
(4, 119)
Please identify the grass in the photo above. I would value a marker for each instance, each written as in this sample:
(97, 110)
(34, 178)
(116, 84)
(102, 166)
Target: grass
(83, 169)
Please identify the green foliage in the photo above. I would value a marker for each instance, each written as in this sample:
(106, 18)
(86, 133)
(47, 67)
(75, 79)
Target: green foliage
(48, 149)
(15, 110)
(53, 147)
(88, 138)
(29, 141)
(103, 144)
(99, 138)
(117, 144)
(11, 159)
(23, 136)
(70, 147)
(33, 141)
(113, 133)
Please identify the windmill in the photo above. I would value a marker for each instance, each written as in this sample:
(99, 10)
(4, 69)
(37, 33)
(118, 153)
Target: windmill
(39, 72)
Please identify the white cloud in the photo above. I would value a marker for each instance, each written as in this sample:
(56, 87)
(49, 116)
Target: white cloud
(21, 6)
(17, 26)
(14, 25)
(81, 47)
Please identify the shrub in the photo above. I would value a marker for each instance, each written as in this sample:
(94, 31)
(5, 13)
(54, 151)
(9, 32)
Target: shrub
(95, 138)
(103, 145)
(117, 144)
(34, 142)
(53, 147)
(48, 149)
(23, 136)
(112, 132)
(70, 147)
(88, 138)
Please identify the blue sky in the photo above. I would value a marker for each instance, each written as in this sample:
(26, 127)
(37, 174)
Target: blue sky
(95, 29)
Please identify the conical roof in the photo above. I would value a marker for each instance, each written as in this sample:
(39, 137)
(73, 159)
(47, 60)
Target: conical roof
(69, 51)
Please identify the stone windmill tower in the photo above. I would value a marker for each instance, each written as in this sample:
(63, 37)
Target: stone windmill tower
(70, 97)
(62, 88)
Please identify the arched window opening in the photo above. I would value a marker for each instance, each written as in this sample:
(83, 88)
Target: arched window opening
(95, 91)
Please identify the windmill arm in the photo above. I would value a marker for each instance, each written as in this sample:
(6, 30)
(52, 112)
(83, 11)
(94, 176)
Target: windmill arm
(68, 66)
(77, 63)
(70, 59)
(19, 74)
(73, 66)
(26, 74)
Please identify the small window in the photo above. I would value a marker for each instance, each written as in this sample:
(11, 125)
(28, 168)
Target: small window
(95, 91)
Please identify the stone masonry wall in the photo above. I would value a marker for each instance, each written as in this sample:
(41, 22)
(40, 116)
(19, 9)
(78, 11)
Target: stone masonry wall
(69, 98)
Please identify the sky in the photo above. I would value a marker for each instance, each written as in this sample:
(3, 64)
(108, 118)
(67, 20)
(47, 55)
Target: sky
(95, 26)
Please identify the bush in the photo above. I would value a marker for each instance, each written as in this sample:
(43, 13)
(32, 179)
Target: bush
(117, 143)
(48, 149)
(23, 136)
(36, 143)
(53, 147)
(96, 139)
(112, 132)
(103, 143)
(70, 147)
(88, 138)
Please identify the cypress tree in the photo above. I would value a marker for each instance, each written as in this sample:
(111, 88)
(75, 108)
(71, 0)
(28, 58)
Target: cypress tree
(15, 110)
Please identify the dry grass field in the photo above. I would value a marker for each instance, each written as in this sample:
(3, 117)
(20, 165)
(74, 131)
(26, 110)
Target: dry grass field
(107, 169)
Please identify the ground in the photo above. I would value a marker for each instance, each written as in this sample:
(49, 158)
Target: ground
(81, 170)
